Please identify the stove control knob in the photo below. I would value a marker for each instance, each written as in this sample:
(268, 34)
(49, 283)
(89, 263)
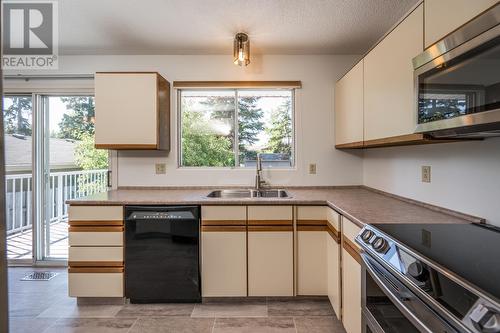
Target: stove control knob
(418, 271)
(367, 235)
(485, 319)
(380, 245)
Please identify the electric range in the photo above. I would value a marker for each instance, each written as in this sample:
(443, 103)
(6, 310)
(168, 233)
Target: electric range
(431, 278)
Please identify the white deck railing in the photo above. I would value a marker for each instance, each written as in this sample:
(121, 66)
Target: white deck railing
(62, 186)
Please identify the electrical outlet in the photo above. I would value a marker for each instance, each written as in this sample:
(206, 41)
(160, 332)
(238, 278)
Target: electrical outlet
(161, 168)
(426, 174)
(312, 168)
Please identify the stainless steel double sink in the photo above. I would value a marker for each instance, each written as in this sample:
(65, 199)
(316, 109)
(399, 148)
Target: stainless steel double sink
(248, 193)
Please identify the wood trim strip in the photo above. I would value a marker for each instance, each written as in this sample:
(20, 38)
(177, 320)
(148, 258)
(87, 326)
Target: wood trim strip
(312, 222)
(270, 222)
(95, 263)
(352, 249)
(400, 140)
(333, 233)
(126, 146)
(223, 228)
(96, 229)
(237, 84)
(350, 145)
(223, 222)
(259, 228)
(312, 228)
(95, 269)
(96, 223)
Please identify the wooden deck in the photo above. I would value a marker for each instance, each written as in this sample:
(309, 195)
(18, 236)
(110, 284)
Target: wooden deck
(19, 246)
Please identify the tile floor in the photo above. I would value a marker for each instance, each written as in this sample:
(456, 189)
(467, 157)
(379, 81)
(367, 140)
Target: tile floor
(43, 307)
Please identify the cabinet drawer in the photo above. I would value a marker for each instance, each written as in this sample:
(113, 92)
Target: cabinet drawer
(223, 215)
(96, 213)
(274, 215)
(96, 255)
(95, 284)
(95, 238)
(311, 215)
(350, 230)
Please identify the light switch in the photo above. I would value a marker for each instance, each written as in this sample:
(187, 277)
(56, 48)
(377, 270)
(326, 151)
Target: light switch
(426, 174)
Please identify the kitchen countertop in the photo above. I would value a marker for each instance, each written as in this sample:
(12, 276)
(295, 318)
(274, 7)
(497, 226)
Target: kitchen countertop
(360, 204)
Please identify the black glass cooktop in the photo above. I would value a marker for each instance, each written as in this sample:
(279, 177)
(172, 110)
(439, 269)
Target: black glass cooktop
(471, 251)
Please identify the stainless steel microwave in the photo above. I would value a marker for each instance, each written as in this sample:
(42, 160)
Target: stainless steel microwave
(457, 81)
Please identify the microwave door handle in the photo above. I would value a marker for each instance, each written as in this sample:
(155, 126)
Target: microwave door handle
(395, 298)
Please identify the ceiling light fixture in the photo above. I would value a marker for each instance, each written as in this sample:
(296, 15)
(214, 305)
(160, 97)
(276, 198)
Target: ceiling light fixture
(241, 50)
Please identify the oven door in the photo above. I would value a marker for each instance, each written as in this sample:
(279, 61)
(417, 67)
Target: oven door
(389, 306)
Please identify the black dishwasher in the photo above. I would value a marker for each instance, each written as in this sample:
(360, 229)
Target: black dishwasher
(162, 254)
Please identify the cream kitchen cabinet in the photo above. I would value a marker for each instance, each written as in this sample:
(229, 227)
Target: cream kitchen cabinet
(312, 250)
(444, 16)
(224, 251)
(349, 108)
(333, 260)
(95, 254)
(132, 111)
(388, 80)
(270, 251)
(351, 278)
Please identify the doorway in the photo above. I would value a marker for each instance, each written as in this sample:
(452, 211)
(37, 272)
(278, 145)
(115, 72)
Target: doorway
(50, 158)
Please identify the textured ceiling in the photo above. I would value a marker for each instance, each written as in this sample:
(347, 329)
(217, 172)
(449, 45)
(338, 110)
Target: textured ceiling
(208, 26)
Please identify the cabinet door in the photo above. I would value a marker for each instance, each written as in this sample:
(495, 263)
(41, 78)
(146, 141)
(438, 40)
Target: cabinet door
(444, 16)
(349, 107)
(224, 262)
(132, 111)
(333, 260)
(388, 81)
(351, 277)
(351, 293)
(311, 250)
(270, 261)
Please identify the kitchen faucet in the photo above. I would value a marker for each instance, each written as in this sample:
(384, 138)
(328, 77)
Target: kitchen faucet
(258, 177)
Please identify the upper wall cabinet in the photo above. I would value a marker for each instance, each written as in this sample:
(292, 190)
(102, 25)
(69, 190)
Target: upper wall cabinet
(349, 108)
(388, 80)
(444, 16)
(132, 111)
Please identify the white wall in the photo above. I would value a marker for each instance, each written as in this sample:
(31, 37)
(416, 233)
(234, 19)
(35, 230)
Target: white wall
(465, 176)
(314, 117)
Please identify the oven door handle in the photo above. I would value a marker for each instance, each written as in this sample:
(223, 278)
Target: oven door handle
(397, 299)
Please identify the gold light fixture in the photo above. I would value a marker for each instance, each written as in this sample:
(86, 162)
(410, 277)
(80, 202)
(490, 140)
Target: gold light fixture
(241, 50)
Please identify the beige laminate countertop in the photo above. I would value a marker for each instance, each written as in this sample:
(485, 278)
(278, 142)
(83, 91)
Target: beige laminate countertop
(360, 204)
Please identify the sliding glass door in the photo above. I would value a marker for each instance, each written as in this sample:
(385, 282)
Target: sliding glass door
(65, 165)
(18, 128)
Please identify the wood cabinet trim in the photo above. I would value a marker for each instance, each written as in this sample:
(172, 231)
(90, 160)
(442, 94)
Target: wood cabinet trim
(400, 140)
(333, 233)
(97, 223)
(312, 228)
(351, 145)
(312, 222)
(237, 84)
(126, 146)
(223, 228)
(95, 269)
(352, 249)
(95, 229)
(95, 263)
(270, 222)
(222, 222)
(278, 228)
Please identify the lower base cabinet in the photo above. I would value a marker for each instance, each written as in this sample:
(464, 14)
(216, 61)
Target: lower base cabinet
(333, 273)
(312, 253)
(270, 262)
(224, 263)
(95, 284)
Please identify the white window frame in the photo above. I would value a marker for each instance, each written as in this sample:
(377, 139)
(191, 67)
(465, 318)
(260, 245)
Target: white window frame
(293, 156)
